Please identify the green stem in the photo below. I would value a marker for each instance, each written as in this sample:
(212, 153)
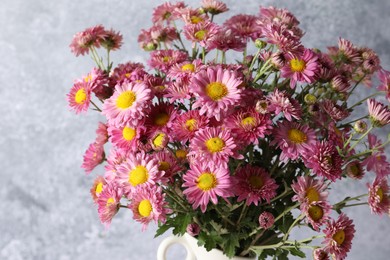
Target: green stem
(224, 217)
(287, 210)
(96, 107)
(364, 99)
(355, 204)
(358, 141)
(299, 218)
(244, 207)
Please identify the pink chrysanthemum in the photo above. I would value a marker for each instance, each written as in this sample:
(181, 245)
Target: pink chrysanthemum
(193, 229)
(99, 81)
(254, 184)
(201, 32)
(163, 60)
(79, 96)
(377, 160)
(278, 16)
(335, 112)
(340, 84)
(166, 12)
(108, 203)
(213, 144)
(378, 196)
(280, 101)
(346, 52)
(205, 182)
(214, 6)
(266, 220)
(158, 140)
(354, 170)
(112, 41)
(185, 69)
(167, 164)
(160, 118)
(285, 39)
(129, 103)
(114, 159)
(127, 71)
(379, 113)
(317, 213)
(324, 159)
(248, 125)
(301, 68)
(339, 235)
(93, 156)
(226, 40)
(293, 139)
(218, 91)
(90, 37)
(126, 137)
(178, 91)
(384, 78)
(308, 190)
(245, 26)
(97, 188)
(139, 170)
(148, 204)
(320, 254)
(186, 125)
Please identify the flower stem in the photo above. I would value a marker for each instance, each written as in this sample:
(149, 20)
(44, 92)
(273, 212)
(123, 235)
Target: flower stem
(358, 141)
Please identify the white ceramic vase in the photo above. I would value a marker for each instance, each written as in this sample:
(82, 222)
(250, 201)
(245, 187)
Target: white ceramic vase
(194, 252)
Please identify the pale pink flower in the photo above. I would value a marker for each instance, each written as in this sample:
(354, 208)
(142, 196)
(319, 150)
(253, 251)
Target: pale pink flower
(166, 12)
(178, 91)
(339, 235)
(217, 90)
(192, 16)
(101, 134)
(201, 32)
(293, 138)
(280, 101)
(283, 38)
(108, 203)
(205, 182)
(115, 158)
(345, 53)
(254, 184)
(79, 96)
(308, 190)
(93, 156)
(97, 188)
(129, 103)
(378, 196)
(148, 204)
(379, 113)
(127, 71)
(340, 84)
(163, 60)
(186, 125)
(90, 37)
(244, 26)
(266, 220)
(301, 68)
(278, 16)
(226, 40)
(99, 81)
(214, 6)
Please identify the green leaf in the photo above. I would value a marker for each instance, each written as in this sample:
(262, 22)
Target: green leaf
(230, 245)
(297, 252)
(161, 230)
(180, 223)
(287, 221)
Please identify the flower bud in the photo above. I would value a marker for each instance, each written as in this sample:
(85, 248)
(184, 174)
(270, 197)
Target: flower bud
(262, 106)
(310, 99)
(260, 44)
(193, 229)
(159, 141)
(266, 220)
(354, 170)
(360, 126)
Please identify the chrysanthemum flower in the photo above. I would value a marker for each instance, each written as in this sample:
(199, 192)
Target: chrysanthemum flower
(139, 170)
(186, 125)
(320, 254)
(254, 184)
(166, 12)
(79, 96)
(99, 83)
(217, 90)
(160, 117)
(158, 140)
(301, 68)
(340, 84)
(101, 134)
(317, 213)
(266, 220)
(280, 101)
(354, 170)
(379, 113)
(214, 6)
(213, 144)
(163, 60)
(93, 156)
(192, 15)
(324, 159)
(193, 229)
(335, 112)
(278, 16)
(178, 91)
(346, 52)
(308, 190)
(247, 125)
(126, 137)
(114, 159)
(377, 160)
(148, 204)
(97, 188)
(285, 39)
(226, 40)
(129, 103)
(185, 69)
(244, 26)
(384, 78)
(112, 41)
(205, 182)
(167, 164)
(378, 196)
(108, 203)
(201, 32)
(293, 139)
(129, 71)
(339, 235)
(90, 37)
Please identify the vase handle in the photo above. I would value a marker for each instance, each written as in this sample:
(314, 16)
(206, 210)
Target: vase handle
(167, 242)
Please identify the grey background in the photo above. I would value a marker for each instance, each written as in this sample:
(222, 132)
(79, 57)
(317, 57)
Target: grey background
(45, 208)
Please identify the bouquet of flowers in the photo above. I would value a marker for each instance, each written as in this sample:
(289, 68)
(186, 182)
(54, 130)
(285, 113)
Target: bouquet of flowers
(227, 148)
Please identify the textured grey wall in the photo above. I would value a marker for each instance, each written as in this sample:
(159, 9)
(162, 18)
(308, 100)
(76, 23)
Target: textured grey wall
(45, 209)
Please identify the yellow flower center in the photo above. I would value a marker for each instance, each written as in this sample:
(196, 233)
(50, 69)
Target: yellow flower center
(160, 88)
(215, 144)
(158, 140)
(127, 75)
(166, 59)
(181, 154)
(88, 78)
(190, 124)
(339, 237)
(216, 90)
(312, 194)
(110, 201)
(128, 133)
(296, 136)
(125, 99)
(316, 212)
(99, 188)
(145, 208)
(200, 35)
(80, 96)
(188, 67)
(161, 119)
(248, 121)
(164, 166)
(196, 19)
(297, 65)
(138, 175)
(206, 181)
(379, 193)
(256, 182)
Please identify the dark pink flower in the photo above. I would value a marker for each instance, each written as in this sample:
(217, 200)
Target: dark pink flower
(378, 196)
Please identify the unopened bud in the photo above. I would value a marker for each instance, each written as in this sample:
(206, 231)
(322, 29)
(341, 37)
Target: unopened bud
(260, 44)
(310, 99)
(360, 126)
